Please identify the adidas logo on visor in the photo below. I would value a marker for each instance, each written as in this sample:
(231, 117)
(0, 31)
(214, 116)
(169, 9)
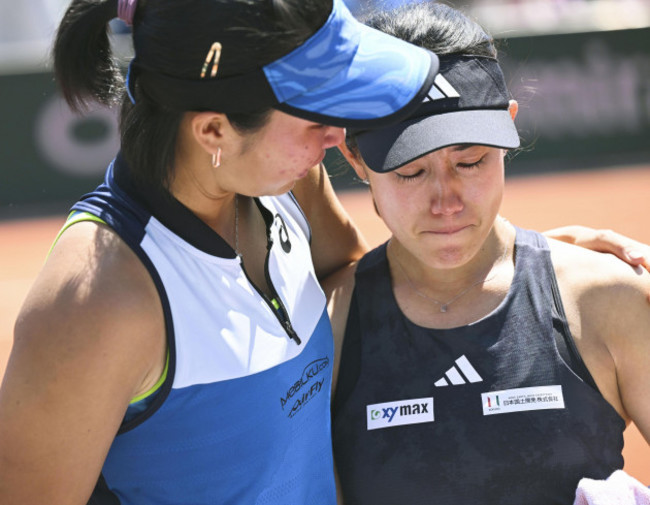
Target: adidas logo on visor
(462, 373)
(441, 89)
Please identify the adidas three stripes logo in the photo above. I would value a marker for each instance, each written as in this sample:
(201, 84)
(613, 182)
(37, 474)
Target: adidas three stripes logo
(461, 373)
(442, 88)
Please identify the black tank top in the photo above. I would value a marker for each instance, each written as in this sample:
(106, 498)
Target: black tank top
(488, 413)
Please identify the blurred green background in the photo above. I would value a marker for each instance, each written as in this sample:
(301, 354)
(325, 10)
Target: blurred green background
(580, 70)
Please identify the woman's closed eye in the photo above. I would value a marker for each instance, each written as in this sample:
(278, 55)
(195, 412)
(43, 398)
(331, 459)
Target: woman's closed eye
(468, 165)
(409, 176)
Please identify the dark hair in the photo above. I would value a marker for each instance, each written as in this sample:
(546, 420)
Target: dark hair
(434, 26)
(171, 37)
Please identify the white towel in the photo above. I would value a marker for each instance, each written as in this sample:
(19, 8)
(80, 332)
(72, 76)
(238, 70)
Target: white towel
(618, 489)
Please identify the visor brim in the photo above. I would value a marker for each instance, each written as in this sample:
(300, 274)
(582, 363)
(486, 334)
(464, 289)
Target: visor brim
(390, 148)
(351, 75)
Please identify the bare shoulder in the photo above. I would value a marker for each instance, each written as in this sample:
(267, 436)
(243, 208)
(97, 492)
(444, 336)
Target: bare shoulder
(94, 314)
(606, 301)
(94, 281)
(599, 276)
(604, 297)
(89, 336)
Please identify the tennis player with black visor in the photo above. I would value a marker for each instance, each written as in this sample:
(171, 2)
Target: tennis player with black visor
(477, 362)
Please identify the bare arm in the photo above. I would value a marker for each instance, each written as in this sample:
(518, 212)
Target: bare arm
(628, 341)
(336, 241)
(338, 288)
(336, 245)
(605, 301)
(87, 340)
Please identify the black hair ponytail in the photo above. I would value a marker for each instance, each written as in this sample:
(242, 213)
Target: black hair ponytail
(84, 65)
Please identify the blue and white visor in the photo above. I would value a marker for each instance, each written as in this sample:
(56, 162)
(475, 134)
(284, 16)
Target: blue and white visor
(345, 74)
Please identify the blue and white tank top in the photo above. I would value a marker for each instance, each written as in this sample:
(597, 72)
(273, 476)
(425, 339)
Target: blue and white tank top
(242, 415)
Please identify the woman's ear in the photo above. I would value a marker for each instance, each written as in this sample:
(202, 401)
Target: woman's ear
(211, 130)
(513, 108)
(353, 159)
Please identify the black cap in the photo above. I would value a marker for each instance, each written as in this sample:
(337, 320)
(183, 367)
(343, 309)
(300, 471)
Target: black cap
(468, 104)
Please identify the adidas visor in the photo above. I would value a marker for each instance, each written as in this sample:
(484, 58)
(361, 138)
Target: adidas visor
(467, 104)
(346, 74)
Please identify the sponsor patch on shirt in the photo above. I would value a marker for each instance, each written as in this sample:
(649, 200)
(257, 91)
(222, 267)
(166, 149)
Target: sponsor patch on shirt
(399, 413)
(522, 399)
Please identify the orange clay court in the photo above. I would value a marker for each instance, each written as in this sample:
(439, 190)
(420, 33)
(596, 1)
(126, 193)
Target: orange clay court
(617, 198)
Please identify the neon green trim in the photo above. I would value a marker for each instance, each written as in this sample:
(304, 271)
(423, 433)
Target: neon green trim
(73, 218)
(156, 386)
(275, 304)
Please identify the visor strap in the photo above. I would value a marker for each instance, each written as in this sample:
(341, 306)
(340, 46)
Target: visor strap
(246, 93)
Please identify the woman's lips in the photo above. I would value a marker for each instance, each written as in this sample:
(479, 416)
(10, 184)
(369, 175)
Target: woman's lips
(448, 230)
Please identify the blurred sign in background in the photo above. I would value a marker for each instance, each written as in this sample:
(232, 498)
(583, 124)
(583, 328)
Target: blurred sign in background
(580, 70)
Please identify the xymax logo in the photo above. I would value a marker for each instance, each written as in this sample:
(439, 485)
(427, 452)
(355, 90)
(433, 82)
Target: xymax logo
(413, 411)
(387, 412)
(404, 410)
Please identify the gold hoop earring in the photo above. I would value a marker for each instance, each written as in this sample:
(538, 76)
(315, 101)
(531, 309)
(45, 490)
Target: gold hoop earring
(216, 158)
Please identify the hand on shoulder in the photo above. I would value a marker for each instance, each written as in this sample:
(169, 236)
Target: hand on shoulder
(602, 240)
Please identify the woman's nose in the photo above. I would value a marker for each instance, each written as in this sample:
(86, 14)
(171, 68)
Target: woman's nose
(333, 136)
(446, 200)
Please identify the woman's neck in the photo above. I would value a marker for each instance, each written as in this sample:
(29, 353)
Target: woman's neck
(458, 295)
(195, 184)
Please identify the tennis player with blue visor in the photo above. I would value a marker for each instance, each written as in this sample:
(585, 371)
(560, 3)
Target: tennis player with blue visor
(346, 74)
(176, 346)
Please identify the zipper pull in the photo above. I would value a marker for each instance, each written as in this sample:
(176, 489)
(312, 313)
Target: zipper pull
(285, 322)
(291, 332)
